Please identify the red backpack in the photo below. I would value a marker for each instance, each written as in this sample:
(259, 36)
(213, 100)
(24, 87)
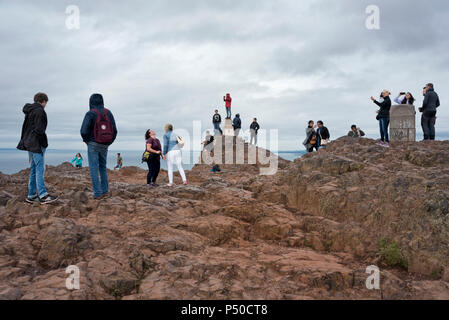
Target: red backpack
(103, 129)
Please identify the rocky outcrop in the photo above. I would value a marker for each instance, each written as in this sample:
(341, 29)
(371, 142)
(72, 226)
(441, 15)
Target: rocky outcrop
(307, 232)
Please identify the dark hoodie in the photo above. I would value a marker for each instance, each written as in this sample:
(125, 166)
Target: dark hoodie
(33, 137)
(87, 128)
(431, 101)
(237, 123)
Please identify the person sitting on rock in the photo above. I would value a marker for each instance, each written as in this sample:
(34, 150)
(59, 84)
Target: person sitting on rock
(311, 137)
(237, 125)
(209, 143)
(356, 132)
(405, 98)
(78, 160)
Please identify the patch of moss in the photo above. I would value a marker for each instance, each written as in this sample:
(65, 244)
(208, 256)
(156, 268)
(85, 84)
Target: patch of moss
(391, 254)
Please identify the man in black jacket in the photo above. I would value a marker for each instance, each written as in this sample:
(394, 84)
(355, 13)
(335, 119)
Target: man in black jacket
(216, 120)
(429, 111)
(254, 128)
(34, 140)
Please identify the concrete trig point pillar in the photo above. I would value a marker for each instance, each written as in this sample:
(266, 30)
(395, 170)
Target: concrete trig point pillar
(228, 128)
(403, 123)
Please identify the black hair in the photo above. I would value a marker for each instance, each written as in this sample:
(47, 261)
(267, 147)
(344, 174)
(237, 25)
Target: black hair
(412, 99)
(353, 126)
(430, 85)
(319, 121)
(311, 121)
(147, 134)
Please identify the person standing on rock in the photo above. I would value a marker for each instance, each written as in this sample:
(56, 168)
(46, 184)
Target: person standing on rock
(153, 146)
(216, 120)
(323, 135)
(98, 131)
(384, 117)
(228, 101)
(34, 140)
(356, 132)
(172, 153)
(237, 125)
(254, 128)
(429, 110)
(311, 137)
(119, 162)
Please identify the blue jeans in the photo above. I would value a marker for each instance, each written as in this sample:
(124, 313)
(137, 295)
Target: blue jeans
(217, 127)
(36, 182)
(97, 155)
(383, 125)
(228, 113)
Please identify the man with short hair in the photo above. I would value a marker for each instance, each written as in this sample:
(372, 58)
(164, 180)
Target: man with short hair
(254, 128)
(429, 110)
(34, 140)
(356, 132)
(98, 132)
(237, 125)
(216, 120)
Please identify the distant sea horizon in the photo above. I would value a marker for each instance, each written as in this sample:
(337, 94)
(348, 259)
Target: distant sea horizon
(13, 160)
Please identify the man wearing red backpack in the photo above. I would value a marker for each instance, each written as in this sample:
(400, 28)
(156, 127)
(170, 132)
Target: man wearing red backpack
(99, 132)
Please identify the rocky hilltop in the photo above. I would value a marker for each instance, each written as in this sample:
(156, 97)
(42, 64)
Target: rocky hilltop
(307, 232)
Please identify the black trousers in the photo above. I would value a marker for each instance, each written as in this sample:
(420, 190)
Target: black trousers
(154, 166)
(428, 125)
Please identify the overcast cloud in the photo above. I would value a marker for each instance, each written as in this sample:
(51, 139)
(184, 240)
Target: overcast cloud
(284, 62)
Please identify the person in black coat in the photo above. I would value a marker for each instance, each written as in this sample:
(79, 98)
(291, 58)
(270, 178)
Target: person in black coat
(34, 140)
(254, 128)
(429, 111)
(323, 135)
(237, 124)
(384, 117)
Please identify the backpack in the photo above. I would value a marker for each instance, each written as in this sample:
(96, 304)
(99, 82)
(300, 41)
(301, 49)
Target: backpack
(180, 142)
(103, 129)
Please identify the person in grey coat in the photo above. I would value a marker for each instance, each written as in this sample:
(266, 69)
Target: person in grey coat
(429, 111)
(311, 138)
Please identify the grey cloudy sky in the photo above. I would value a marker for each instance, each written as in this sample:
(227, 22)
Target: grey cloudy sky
(284, 62)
